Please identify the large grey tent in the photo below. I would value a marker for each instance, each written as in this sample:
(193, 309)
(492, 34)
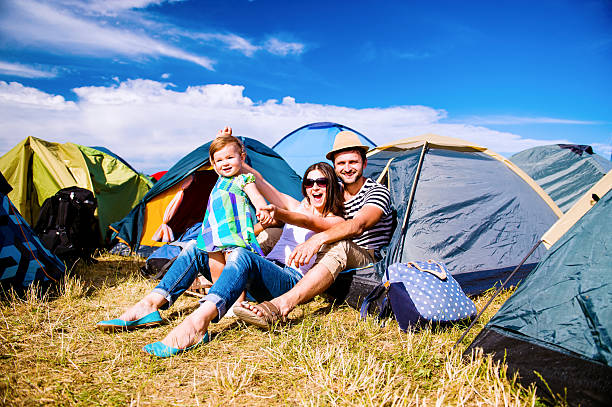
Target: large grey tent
(564, 171)
(461, 204)
(558, 324)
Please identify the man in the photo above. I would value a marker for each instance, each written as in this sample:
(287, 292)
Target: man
(350, 244)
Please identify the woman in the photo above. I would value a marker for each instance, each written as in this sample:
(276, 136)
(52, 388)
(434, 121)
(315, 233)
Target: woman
(264, 279)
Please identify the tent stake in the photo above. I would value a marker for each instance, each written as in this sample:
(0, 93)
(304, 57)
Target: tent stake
(496, 293)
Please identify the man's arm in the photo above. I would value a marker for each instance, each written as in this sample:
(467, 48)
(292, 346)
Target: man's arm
(312, 222)
(367, 217)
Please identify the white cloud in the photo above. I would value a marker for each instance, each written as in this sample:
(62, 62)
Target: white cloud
(46, 26)
(15, 95)
(282, 48)
(25, 71)
(231, 41)
(152, 125)
(247, 47)
(113, 7)
(508, 120)
(108, 28)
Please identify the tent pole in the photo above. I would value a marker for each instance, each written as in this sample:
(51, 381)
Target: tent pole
(496, 293)
(410, 200)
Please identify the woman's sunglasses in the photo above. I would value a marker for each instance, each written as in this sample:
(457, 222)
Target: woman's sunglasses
(321, 182)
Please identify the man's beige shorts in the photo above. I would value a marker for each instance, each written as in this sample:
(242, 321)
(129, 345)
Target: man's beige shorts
(335, 257)
(343, 255)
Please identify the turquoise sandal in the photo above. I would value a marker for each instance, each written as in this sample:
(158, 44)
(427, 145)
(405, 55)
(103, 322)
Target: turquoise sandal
(112, 325)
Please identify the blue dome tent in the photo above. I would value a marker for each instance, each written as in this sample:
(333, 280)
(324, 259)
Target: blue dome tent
(309, 144)
(136, 230)
(24, 260)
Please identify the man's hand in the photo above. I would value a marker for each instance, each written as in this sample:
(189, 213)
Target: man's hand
(227, 131)
(303, 252)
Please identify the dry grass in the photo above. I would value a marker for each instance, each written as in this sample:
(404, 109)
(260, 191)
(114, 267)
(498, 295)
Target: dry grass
(51, 353)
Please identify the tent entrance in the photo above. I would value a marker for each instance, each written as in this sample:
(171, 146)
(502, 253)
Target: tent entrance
(194, 203)
(190, 211)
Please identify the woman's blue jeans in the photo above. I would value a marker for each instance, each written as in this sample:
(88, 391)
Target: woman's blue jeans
(244, 270)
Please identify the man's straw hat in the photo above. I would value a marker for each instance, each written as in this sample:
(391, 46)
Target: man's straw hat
(346, 140)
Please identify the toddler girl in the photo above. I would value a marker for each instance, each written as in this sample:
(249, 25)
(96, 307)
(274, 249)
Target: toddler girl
(229, 220)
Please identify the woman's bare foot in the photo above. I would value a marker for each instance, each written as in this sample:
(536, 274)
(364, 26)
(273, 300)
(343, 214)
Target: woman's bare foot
(151, 302)
(192, 329)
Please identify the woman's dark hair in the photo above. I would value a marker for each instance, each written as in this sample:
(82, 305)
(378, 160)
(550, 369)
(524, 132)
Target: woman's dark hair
(334, 200)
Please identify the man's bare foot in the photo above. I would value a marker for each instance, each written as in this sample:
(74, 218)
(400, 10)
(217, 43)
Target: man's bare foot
(192, 329)
(279, 302)
(152, 302)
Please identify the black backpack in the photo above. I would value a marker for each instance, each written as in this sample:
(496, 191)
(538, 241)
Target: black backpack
(67, 225)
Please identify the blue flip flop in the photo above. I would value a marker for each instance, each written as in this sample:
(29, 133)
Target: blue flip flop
(149, 320)
(162, 351)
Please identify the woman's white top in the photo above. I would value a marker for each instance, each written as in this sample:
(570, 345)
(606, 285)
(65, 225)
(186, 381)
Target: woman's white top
(291, 237)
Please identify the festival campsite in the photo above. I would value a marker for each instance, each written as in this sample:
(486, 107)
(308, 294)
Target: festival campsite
(454, 201)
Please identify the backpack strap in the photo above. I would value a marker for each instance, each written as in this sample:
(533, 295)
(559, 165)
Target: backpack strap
(63, 207)
(380, 290)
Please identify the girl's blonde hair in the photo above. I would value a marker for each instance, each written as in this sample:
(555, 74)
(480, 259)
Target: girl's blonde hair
(222, 141)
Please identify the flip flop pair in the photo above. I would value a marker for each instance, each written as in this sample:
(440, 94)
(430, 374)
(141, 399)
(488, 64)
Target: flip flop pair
(112, 325)
(271, 315)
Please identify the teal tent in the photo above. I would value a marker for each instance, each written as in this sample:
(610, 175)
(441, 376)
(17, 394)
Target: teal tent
(193, 178)
(24, 260)
(564, 171)
(309, 144)
(558, 323)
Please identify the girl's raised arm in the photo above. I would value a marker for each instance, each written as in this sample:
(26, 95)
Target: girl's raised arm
(273, 195)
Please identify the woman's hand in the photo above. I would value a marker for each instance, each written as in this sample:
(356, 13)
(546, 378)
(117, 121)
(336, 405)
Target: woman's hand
(264, 217)
(272, 211)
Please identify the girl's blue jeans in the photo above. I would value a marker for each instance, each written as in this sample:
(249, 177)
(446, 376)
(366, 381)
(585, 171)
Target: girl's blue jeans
(244, 270)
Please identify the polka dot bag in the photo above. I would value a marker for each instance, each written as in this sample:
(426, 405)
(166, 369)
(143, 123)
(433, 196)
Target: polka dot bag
(420, 292)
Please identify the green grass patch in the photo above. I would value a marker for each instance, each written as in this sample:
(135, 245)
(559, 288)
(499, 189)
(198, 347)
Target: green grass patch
(51, 354)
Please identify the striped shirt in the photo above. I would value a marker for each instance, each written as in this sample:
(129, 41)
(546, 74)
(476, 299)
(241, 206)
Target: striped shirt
(375, 194)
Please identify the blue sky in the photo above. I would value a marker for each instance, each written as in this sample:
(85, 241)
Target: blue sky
(153, 79)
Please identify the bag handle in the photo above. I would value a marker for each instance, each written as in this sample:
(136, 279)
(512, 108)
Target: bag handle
(440, 273)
